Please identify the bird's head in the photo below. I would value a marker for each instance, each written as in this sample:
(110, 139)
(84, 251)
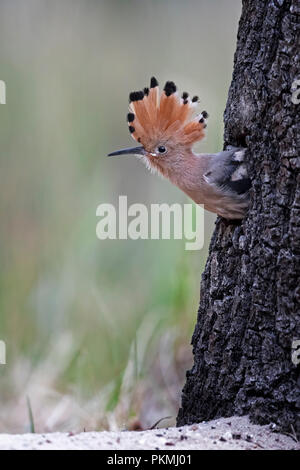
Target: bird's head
(164, 125)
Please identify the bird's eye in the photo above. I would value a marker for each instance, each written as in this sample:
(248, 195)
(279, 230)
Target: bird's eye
(161, 149)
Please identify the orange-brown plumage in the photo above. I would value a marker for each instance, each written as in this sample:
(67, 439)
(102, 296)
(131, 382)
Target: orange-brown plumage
(167, 127)
(165, 116)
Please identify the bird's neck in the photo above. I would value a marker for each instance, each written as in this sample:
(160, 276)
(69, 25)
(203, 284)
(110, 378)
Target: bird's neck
(182, 169)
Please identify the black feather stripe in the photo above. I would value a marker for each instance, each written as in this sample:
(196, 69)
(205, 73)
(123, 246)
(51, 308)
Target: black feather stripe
(153, 82)
(170, 88)
(136, 96)
(239, 186)
(130, 117)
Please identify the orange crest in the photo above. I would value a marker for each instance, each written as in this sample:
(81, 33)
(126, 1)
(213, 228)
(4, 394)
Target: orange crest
(157, 118)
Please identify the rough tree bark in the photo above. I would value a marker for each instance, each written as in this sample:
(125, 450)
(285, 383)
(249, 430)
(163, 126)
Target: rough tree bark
(248, 316)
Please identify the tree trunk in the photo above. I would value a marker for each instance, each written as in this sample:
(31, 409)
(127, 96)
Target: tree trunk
(248, 319)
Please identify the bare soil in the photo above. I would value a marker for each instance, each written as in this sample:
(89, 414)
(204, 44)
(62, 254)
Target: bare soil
(225, 433)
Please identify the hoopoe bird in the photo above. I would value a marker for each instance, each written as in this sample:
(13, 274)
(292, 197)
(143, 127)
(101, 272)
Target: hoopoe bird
(166, 128)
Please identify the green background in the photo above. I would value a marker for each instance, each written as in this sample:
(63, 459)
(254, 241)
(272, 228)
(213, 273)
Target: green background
(97, 332)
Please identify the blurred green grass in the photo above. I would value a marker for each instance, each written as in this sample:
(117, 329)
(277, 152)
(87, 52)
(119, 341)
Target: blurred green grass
(97, 332)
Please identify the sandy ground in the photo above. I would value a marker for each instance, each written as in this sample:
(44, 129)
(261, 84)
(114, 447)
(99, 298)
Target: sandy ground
(225, 433)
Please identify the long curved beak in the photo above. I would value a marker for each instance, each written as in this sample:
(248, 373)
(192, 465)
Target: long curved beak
(130, 151)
